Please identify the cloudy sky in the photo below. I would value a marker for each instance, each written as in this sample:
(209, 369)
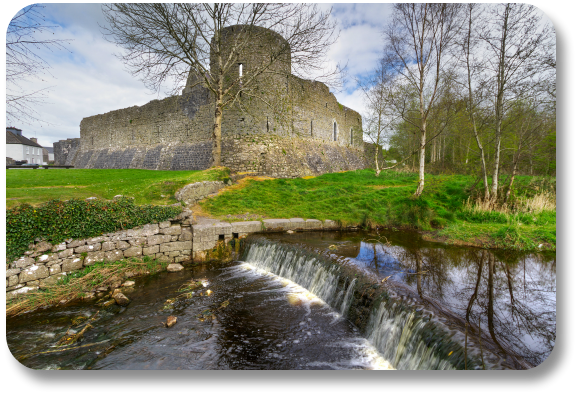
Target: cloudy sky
(87, 79)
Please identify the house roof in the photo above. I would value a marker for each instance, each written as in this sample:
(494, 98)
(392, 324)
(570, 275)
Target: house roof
(50, 150)
(12, 138)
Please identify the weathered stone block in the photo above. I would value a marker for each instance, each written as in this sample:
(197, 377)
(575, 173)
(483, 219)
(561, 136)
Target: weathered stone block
(174, 238)
(150, 230)
(24, 262)
(12, 280)
(33, 283)
(43, 246)
(164, 224)
(158, 239)
(95, 240)
(122, 245)
(209, 238)
(163, 258)
(87, 248)
(59, 247)
(108, 246)
(276, 225)
(186, 252)
(113, 256)
(66, 253)
(71, 264)
(180, 258)
(138, 241)
(12, 272)
(176, 246)
(54, 269)
(33, 273)
(329, 224)
(93, 257)
(246, 227)
(313, 224)
(172, 230)
(76, 243)
(297, 223)
(203, 230)
(150, 250)
(174, 253)
(133, 251)
(223, 228)
(15, 293)
(186, 234)
(174, 267)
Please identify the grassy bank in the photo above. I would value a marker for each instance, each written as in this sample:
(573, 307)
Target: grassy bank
(146, 186)
(80, 284)
(360, 198)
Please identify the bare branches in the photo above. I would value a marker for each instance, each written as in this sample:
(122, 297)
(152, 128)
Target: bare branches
(25, 38)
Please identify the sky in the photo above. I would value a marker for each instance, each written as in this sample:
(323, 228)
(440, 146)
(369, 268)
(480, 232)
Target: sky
(87, 79)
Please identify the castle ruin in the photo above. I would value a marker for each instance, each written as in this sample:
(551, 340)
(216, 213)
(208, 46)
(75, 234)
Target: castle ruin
(299, 130)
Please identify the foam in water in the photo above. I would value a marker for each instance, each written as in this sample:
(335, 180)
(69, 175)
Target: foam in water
(407, 338)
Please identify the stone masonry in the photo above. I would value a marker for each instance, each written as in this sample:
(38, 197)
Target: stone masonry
(302, 130)
(172, 241)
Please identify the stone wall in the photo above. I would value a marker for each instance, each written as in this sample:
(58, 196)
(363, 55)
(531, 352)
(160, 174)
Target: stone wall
(66, 152)
(172, 241)
(176, 133)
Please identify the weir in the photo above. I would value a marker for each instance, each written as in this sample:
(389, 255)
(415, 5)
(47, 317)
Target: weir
(405, 332)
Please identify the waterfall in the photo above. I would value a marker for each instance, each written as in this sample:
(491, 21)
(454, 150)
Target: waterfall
(403, 333)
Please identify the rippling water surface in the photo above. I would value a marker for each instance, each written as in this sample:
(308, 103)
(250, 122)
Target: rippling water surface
(242, 318)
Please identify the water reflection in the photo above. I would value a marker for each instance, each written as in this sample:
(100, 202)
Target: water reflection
(509, 294)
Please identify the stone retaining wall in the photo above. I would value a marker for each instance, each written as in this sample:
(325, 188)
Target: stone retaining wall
(172, 241)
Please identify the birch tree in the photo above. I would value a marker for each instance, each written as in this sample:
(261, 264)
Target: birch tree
(165, 42)
(417, 40)
(516, 43)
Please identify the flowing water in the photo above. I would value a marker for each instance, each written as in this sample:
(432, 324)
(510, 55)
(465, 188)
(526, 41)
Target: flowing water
(510, 295)
(315, 301)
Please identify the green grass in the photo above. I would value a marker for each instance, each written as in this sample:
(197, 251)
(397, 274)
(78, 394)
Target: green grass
(360, 198)
(146, 186)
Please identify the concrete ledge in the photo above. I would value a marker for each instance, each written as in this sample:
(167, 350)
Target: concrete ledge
(330, 225)
(223, 228)
(246, 227)
(313, 224)
(277, 225)
(297, 223)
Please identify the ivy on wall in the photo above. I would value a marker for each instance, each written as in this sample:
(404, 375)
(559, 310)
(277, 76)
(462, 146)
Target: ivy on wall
(56, 221)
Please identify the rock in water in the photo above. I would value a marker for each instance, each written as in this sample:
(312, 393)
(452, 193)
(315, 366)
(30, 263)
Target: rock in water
(175, 267)
(172, 320)
(121, 299)
(128, 283)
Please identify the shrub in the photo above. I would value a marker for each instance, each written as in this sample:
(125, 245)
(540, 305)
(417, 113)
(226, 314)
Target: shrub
(58, 220)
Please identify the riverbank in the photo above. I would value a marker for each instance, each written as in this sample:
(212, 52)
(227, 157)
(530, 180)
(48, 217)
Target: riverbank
(445, 212)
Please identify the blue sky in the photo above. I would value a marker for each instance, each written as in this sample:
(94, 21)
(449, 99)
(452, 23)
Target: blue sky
(88, 80)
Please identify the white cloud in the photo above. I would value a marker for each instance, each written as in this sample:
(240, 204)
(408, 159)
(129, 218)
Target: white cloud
(88, 79)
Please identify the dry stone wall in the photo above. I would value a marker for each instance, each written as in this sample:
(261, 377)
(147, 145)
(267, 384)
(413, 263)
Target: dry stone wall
(172, 241)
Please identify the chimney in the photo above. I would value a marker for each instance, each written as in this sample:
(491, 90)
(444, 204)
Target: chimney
(34, 140)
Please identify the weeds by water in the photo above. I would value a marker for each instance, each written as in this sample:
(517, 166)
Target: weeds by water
(77, 284)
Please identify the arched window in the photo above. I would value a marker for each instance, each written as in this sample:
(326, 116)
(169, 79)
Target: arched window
(334, 131)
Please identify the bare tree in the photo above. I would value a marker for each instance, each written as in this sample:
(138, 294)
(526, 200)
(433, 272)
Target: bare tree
(517, 44)
(25, 38)
(164, 42)
(468, 56)
(379, 117)
(417, 40)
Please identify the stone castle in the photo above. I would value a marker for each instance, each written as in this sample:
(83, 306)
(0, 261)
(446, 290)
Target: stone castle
(281, 125)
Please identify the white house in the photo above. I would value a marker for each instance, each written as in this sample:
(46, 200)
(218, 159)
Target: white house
(20, 148)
